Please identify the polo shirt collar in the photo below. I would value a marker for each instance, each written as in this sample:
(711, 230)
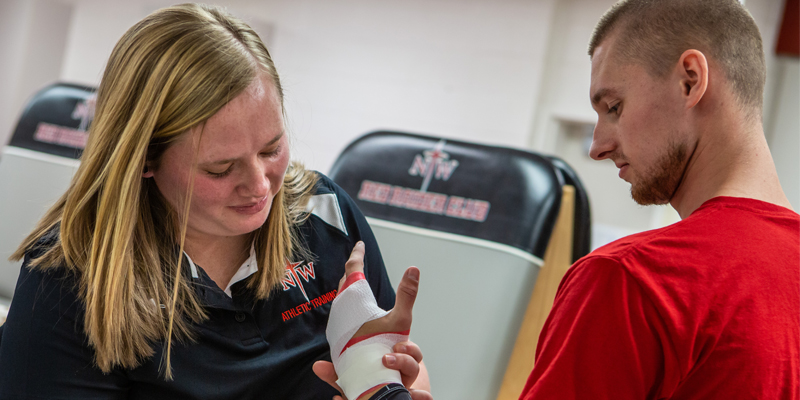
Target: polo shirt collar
(248, 267)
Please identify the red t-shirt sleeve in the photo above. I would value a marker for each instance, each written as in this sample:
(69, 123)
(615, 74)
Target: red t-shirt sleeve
(602, 339)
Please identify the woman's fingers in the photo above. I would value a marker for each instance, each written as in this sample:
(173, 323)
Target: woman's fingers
(409, 348)
(405, 364)
(420, 395)
(408, 358)
(324, 370)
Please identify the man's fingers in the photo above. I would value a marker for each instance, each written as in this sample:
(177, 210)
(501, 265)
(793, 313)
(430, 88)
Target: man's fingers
(406, 294)
(324, 370)
(354, 264)
(407, 365)
(356, 261)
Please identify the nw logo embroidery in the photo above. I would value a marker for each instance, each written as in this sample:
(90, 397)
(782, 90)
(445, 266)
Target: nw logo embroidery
(296, 274)
(433, 163)
(84, 111)
(64, 135)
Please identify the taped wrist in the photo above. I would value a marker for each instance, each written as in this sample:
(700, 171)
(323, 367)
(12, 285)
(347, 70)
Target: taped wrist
(358, 361)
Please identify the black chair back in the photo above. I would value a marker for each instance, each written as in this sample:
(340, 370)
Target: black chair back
(493, 193)
(56, 120)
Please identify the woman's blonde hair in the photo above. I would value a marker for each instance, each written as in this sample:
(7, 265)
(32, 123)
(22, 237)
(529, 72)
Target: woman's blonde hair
(169, 73)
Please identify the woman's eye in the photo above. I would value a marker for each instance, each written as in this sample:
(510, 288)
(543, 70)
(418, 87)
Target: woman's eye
(220, 174)
(272, 152)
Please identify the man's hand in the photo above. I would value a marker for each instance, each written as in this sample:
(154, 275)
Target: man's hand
(407, 355)
(407, 359)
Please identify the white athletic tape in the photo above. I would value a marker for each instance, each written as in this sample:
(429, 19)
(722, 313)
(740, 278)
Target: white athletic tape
(351, 308)
(360, 367)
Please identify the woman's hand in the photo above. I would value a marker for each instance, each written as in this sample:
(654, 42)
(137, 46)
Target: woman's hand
(407, 356)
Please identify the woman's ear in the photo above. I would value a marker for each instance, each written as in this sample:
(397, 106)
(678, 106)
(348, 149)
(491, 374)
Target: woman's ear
(148, 171)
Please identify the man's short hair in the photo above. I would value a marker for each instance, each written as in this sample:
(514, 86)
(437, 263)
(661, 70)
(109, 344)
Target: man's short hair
(654, 33)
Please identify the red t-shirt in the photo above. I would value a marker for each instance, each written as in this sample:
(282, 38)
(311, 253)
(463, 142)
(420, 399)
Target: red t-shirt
(707, 308)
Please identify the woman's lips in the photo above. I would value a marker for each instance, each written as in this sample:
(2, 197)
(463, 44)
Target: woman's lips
(251, 209)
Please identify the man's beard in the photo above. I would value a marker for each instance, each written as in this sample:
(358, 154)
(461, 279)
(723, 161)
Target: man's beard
(663, 179)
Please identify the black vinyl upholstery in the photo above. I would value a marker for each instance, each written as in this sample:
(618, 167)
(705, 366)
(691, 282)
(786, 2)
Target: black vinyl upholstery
(55, 120)
(498, 194)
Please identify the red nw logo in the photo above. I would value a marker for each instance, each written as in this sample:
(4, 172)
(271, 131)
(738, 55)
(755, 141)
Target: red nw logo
(84, 111)
(436, 163)
(294, 273)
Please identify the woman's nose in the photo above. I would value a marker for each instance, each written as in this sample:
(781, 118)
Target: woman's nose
(255, 184)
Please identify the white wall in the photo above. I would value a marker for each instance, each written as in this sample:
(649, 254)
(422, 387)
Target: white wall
(12, 32)
(458, 68)
(33, 38)
(784, 135)
(96, 26)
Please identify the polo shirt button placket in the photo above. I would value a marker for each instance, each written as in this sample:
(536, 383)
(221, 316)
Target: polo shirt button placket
(240, 316)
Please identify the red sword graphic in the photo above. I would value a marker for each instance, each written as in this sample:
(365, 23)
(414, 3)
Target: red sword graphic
(291, 270)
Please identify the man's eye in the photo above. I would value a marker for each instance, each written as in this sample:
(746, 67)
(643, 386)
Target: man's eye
(613, 109)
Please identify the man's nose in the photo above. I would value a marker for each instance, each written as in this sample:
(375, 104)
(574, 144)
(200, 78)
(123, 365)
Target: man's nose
(603, 142)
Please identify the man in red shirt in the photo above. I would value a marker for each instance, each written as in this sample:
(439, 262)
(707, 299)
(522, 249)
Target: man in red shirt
(709, 307)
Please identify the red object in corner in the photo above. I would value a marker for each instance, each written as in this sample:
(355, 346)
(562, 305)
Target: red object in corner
(789, 35)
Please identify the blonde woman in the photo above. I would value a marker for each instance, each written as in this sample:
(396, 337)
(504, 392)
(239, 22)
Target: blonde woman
(162, 272)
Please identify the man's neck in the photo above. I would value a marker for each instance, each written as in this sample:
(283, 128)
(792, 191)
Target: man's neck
(731, 158)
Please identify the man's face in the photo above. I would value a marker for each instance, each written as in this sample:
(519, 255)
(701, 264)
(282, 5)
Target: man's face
(638, 125)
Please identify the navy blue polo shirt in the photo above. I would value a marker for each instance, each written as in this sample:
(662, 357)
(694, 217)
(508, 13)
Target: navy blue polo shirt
(247, 349)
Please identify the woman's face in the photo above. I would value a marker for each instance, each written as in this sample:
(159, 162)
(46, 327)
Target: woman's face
(242, 158)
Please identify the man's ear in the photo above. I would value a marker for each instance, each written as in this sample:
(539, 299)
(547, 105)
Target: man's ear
(693, 72)
(148, 171)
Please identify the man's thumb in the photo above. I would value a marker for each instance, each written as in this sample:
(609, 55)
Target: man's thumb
(407, 294)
